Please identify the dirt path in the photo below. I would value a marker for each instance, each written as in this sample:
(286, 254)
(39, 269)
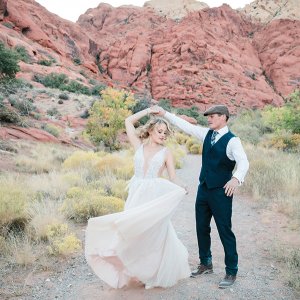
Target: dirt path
(258, 278)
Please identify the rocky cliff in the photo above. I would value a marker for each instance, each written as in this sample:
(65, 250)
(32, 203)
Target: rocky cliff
(188, 55)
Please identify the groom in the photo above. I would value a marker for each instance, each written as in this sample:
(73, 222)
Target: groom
(222, 151)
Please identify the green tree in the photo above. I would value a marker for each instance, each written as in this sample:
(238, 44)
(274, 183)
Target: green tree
(107, 116)
(8, 62)
(286, 117)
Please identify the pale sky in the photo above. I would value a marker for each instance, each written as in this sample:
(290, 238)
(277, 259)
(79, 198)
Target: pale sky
(72, 9)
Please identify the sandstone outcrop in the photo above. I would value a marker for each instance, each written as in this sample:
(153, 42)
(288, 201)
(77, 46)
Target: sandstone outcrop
(210, 55)
(176, 9)
(268, 10)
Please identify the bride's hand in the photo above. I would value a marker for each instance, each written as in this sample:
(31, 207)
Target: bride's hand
(157, 110)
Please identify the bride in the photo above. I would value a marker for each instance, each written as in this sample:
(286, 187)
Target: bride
(140, 243)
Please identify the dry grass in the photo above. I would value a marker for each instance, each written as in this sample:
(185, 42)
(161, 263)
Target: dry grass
(44, 215)
(40, 158)
(290, 264)
(21, 250)
(15, 197)
(82, 204)
(274, 179)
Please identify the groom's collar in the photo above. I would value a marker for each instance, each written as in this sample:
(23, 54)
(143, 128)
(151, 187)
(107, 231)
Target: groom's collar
(223, 130)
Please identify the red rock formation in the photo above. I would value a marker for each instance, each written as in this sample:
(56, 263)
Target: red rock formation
(210, 56)
(33, 134)
(278, 48)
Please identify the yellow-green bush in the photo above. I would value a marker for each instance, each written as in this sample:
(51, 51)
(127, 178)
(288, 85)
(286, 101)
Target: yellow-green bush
(82, 204)
(193, 146)
(196, 149)
(64, 245)
(82, 159)
(283, 141)
(14, 200)
(178, 152)
(110, 162)
(180, 137)
(126, 171)
(119, 190)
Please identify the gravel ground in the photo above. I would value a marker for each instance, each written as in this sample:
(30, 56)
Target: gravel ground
(259, 275)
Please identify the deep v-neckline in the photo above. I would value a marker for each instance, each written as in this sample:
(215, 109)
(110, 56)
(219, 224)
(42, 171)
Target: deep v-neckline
(145, 172)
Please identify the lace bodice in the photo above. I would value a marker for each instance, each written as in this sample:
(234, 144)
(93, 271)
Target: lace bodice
(154, 164)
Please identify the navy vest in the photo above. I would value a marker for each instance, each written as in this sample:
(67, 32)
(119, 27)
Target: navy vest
(216, 166)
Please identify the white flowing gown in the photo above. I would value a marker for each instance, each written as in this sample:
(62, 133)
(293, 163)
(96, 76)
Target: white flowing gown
(140, 242)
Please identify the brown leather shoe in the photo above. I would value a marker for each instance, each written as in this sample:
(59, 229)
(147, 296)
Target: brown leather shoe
(202, 269)
(227, 281)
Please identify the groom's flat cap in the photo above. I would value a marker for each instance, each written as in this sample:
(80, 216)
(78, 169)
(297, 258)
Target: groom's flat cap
(217, 109)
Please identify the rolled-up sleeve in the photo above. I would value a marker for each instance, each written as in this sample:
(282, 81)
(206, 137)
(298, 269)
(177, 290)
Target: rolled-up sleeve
(194, 130)
(235, 151)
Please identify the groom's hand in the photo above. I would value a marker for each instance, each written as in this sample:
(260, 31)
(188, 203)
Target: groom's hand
(157, 110)
(231, 186)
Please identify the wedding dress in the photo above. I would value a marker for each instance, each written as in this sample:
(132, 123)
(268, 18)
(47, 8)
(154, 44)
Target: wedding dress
(140, 243)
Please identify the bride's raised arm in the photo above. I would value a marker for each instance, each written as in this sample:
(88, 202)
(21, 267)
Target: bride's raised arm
(133, 138)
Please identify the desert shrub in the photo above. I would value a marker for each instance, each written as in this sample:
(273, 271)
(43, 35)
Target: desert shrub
(8, 63)
(10, 116)
(141, 104)
(107, 117)
(10, 86)
(63, 96)
(82, 204)
(192, 144)
(53, 80)
(110, 162)
(119, 190)
(23, 54)
(52, 111)
(177, 150)
(75, 87)
(196, 149)
(180, 138)
(77, 61)
(20, 249)
(14, 200)
(284, 141)
(9, 25)
(249, 126)
(24, 106)
(126, 170)
(85, 114)
(45, 218)
(165, 104)
(274, 179)
(97, 89)
(45, 62)
(82, 160)
(52, 129)
(42, 158)
(65, 245)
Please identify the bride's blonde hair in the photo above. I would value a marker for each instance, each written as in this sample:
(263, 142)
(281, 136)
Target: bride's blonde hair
(152, 122)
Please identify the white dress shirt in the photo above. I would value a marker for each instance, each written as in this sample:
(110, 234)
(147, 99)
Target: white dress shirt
(234, 149)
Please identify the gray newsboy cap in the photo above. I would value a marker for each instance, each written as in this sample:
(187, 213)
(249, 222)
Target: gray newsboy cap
(217, 109)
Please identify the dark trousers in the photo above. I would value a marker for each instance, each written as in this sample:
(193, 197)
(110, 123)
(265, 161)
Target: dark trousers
(214, 202)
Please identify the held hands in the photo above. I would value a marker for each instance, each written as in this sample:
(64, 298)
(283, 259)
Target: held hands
(231, 186)
(156, 110)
